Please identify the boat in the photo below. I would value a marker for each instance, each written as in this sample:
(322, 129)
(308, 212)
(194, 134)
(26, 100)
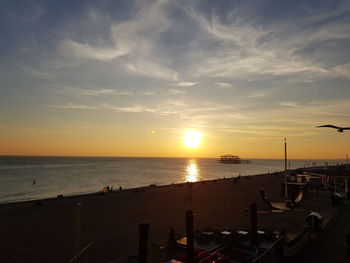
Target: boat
(232, 159)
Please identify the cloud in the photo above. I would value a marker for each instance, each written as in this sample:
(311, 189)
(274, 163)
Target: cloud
(39, 74)
(141, 35)
(70, 48)
(224, 85)
(290, 104)
(229, 45)
(151, 70)
(72, 106)
(177, 91)
(177, 103)
(103, 92)
(90, 92)
(186, 83)
(259, 94)
(245, 48)
(132, 109)
(318, 110)
(343, 70)
(333, 108)
(132, 45)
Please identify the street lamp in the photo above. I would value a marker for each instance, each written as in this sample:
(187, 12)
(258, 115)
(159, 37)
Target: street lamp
(285, 169)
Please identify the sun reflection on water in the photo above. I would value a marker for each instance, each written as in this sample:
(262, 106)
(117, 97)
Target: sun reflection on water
(192, 172)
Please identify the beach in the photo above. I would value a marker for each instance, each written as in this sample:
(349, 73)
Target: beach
(54, 230)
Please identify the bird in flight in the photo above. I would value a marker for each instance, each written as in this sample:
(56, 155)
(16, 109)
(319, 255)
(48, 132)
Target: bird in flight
(340, 129)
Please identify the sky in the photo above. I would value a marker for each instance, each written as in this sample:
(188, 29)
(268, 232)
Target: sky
(129, 78)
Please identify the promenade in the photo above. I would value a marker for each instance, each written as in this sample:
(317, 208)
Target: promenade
(332, 247)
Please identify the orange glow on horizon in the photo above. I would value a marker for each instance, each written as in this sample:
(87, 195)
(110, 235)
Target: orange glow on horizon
(166, 143)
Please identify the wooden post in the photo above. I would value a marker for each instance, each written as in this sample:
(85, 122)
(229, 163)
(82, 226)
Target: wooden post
(143, 242)
(77, 231)
(346, 186)
(253, 225)
(189, 196)
(189, 237)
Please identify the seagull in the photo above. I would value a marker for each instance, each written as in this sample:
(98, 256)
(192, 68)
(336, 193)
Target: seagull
(340, 129)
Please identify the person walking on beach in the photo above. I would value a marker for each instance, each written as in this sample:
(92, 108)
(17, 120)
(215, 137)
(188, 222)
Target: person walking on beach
(34, 182)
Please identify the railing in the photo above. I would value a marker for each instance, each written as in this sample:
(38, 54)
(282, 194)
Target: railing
(77, 257)
(269, 251)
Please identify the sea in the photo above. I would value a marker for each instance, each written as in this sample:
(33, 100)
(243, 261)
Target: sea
(32, 177)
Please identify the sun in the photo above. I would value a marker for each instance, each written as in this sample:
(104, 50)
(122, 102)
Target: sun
(192, 139)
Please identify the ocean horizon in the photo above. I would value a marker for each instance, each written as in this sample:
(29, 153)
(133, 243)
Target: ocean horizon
(37, 177)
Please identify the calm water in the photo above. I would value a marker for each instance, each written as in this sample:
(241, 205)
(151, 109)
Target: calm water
(74, 175)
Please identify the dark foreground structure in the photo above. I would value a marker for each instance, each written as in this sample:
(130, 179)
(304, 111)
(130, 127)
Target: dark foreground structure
(105, 227)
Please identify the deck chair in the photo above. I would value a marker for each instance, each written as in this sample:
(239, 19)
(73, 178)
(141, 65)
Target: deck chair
(274, 205)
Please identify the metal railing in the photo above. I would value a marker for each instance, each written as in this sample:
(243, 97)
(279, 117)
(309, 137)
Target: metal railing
(82, 252)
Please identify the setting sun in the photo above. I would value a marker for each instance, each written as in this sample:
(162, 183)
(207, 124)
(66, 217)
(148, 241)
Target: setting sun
(192, 139)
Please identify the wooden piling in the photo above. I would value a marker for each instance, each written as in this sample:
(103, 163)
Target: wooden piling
(189, 237)
(143, 242)
(254, 225)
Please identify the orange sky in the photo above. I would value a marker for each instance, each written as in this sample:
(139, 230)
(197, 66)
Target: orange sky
(325, 144)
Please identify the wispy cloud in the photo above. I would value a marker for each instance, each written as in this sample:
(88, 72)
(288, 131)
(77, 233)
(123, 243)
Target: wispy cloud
(151, 70)
(343, 70)
(130, 45)
(177, 91)
(224, 85)
(332, 108)
(291, 104)
(258, 94)
(40, 74)
(132, 109)
(232, 48)
(90, 92)
(186, 83)
(70, 48)
(72, 106)
(246, 48)
(104, 92)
